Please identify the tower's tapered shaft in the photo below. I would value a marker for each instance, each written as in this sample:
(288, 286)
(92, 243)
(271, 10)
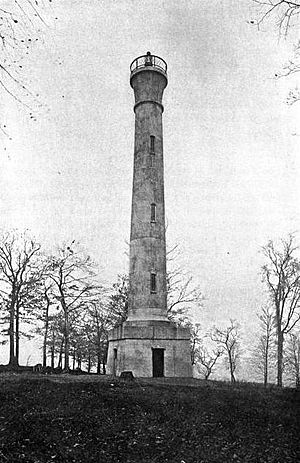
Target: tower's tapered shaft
(147, 343)
(147, 275)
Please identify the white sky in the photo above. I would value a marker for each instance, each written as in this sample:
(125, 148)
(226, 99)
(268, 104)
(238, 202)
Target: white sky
(231, 144)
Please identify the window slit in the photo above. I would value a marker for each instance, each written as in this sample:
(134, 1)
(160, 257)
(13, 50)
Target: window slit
(153, 282)
(152, 143)
(153, 212)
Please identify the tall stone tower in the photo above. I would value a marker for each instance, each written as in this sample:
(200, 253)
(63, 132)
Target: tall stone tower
(147, 343)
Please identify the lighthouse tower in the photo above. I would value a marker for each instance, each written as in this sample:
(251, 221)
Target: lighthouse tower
(147, 343)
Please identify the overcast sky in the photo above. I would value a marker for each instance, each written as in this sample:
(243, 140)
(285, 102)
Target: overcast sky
(231, 144)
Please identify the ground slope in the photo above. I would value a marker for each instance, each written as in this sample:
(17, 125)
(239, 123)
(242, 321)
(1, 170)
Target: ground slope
(67, 419)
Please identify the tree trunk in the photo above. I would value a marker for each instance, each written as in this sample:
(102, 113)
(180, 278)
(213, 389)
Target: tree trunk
(232, 378)
(17, 334)
(98, 347)
(207, 374)
(279, 357)
(12, 358)
(89, 363)
(46, 331)
(98, 344)
(52, 350)
(17, 338)
(297, 364)
(52, 357)
(59, 365)
(67, 340)
(266, 367)
(98, 364)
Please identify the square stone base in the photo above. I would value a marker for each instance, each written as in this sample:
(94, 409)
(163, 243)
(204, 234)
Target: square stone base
(134, 346)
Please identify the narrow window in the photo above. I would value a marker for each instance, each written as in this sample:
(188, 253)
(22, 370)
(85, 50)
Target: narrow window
(153, 212)
(152, 143)
(153, 282)
(152, 159)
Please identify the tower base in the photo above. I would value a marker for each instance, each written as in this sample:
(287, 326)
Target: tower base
(149, 349)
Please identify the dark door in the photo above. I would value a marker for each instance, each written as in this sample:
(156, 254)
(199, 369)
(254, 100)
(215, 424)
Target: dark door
(115, 362)
(158, 362)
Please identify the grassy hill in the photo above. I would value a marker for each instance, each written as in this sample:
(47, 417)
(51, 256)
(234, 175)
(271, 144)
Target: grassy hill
(66, 419)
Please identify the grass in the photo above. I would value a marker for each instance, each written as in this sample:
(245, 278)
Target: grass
(66, 419)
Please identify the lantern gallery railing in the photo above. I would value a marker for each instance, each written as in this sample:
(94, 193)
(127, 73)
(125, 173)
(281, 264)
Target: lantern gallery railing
(148, 60)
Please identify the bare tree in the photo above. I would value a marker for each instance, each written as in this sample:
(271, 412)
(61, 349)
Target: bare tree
(204, 354)
(207, 359)
(286, 15)
(292, 354)
(100, 320)
(46, 309)
(55, 341)
(21, 25)
(285, 12)
(195, 330)
(79, 342)
(118, 300)
(228, 339)
(281, 274)
(44, 312)
(263, 352)
(74, 286)
(19, 275)
(182, 293)
(292, 67)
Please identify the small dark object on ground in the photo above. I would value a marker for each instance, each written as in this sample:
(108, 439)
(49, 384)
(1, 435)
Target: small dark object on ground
(127, 375)
(47, 370)
(38, 368)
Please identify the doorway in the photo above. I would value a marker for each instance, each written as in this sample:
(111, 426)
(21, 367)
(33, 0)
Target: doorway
(115, 362)
(158, 363)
